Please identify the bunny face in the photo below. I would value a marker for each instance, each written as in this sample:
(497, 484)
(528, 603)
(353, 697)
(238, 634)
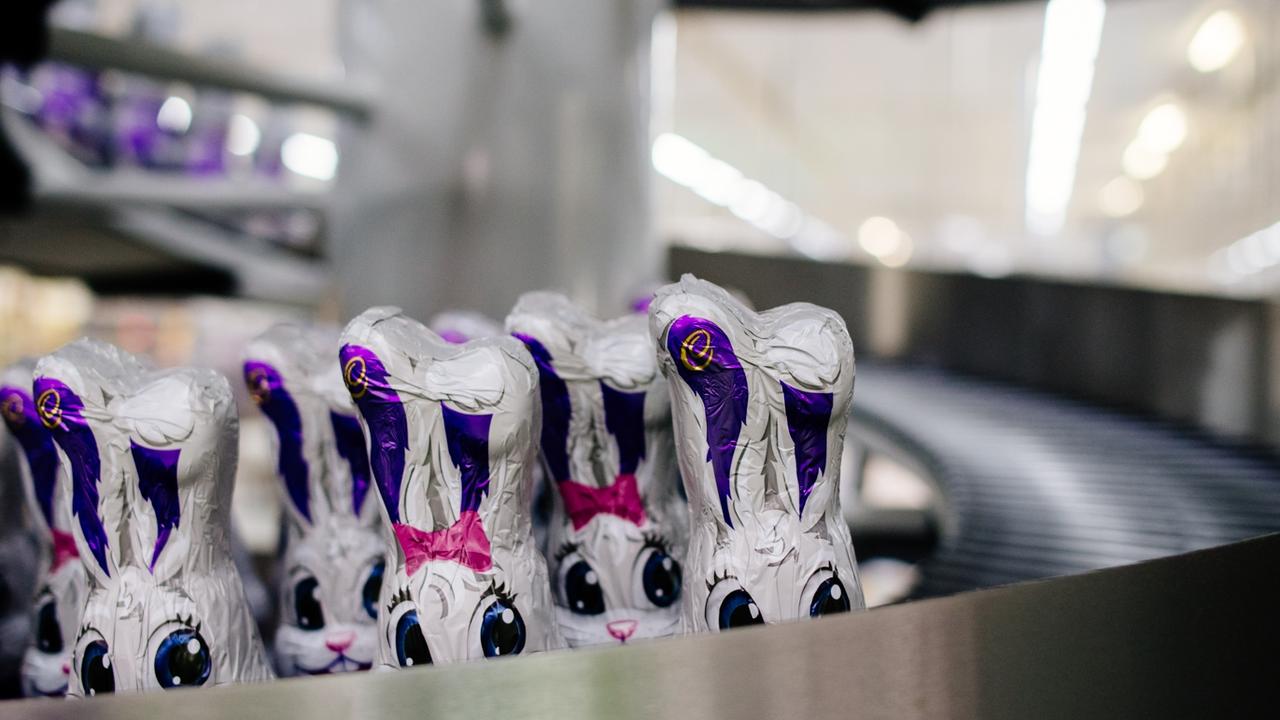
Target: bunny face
(451, 446)
(46, 666)
(760, 404)
(617, 533)
(151, 458)
(334, 555)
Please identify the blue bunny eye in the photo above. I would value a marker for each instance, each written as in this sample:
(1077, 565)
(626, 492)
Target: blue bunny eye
(372, 587)
(306, 604)
(830, 598)
(48, 629)
(738, 609)
(96, 676)
(661, 578)
(502, 629)
(411, 644)
(582, 589)
(182, 660)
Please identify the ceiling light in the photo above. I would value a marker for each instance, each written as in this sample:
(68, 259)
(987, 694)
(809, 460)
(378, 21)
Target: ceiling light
(1163, 129)
(879, 236)
(174, 115)
(310, 155)
(1217, 42)
(243, 135)
(1120, 197)
(1141, 163)
(1072, 32)
(901, 254)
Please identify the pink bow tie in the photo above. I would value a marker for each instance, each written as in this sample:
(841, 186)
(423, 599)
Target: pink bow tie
(463, 542)
(64, 549)
(584, 502)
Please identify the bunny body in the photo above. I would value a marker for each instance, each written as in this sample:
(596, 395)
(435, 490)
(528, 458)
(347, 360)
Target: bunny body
(451, 431)
(333, 558)
(62, 583)
(151, 456)
(618, 528)
(760, 402)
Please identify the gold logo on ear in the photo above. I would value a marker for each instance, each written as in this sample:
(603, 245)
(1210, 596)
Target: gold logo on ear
(698, 347)
(259, 386)
(49, 407)
(11, 408)
(353, 373)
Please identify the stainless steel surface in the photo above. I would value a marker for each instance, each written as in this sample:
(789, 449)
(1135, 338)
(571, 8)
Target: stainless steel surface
(1176, 637)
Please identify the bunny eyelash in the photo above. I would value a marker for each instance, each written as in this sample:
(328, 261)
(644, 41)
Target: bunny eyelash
(565, 550)
(188, 621)
(655, 540)
(717, 578)
(500, 591)
(402, 595)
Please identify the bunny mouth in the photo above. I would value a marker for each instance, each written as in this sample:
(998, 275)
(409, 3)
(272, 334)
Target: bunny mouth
(342, 663)
(58, 692)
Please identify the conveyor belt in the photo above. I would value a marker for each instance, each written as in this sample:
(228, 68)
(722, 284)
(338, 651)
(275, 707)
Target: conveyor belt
(1036, 486)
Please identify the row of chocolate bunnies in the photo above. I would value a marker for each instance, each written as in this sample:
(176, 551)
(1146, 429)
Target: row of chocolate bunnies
(407, 462)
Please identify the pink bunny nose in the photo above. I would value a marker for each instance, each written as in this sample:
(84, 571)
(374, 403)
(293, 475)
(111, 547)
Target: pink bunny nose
(339, 641)
(66, 668)
(622, 629)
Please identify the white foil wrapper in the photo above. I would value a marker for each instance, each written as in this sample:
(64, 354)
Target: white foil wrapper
(152, 457)
(760, 404)
(461, 326)
(452, 432)
(61, 580)
(333, 561)
(618, 530)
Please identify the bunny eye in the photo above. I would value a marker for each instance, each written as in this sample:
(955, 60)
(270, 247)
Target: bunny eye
(182, 659)
(48, 629)
(306, 604)
(657, 574)
(372, 588)
(410, 643)
(502, 630)
(825, 594)
(730, 606)
(96, 675)
(580, 584)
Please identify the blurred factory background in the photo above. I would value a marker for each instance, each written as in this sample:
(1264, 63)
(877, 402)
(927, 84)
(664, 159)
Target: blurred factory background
(1053, 228)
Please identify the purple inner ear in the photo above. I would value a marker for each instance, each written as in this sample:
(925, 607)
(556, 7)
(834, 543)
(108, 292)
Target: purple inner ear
(468, 440)
(555, 410)
(808, 417)
(350, 441)
(624, 419)
(158, 482)
(37, 445)
(705, 360)
(268, 391)
(383, 414)
(60, 410)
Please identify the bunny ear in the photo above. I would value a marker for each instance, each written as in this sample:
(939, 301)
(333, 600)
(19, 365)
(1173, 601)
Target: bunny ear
(556, 410)
(704, 358)
(19, 411)
(808, 419)
(158, 484)
(267, 389)
(467, 437)
(61, 412)
(349, 439)
(383, 413)
(624, 420)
